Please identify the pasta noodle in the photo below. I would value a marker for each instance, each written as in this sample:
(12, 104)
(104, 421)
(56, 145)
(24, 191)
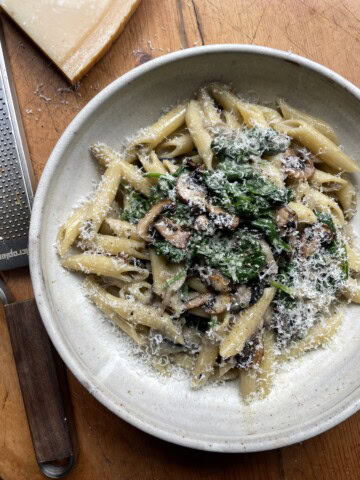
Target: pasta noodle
(246, 324)
(165, 126)
(69, 232)
(105, 266)
(318, 335)
(327, 182)
(115, 245)
(201, 137)
(178, 145)
(212, 114)
(347, 199)
(291, 113)
(320, 145)
(94, 294)
(304, 213)
(218, 239)
(122, 228)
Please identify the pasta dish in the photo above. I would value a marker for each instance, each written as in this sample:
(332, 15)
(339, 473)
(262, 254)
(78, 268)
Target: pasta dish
(218, 238)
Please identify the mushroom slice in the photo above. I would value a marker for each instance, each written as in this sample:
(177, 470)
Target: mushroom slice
(145, 224)
(218, 282)
(201, 223)
(285, 219)
(240, 299)
(312, 238)
(223, 219)
(218, 304)
(190, 192)
(252, 352)
(198, 301)
(172, 232)
(297, 164)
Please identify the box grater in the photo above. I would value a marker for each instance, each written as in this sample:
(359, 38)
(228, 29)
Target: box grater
(16, 176)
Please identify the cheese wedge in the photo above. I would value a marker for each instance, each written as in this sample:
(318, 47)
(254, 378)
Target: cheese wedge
(73, 33)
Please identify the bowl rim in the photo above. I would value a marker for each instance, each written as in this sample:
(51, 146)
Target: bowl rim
(333, 416)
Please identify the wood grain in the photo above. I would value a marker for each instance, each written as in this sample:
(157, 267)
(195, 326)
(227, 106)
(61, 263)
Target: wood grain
(327, 31)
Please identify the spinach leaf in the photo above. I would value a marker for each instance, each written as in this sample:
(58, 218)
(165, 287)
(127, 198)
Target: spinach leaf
(249, 142)
(233, 170)
(336, 247)
(137, 206)
(240, 261)
(249, 195)
(173, 254)
(268, 226)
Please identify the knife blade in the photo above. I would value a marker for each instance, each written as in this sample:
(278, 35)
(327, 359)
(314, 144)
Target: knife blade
(42, 375)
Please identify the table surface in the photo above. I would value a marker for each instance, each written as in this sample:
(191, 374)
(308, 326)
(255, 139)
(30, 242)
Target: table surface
(327, 31)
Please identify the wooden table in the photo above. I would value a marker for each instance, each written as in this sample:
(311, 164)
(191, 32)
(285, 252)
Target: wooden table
(327, 31)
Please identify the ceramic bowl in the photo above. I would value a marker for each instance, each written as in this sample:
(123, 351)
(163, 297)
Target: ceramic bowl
(310, 395)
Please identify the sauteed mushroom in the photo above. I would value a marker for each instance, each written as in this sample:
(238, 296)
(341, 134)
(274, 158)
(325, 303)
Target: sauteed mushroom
(201, 223)
(297, 164)
(312, 238)
(198, 301)
(223, 218)
(285, 219)
(172, 232)
(218, 304)
(190, 192)
(144, 226)
(240, 298)
(218, 282)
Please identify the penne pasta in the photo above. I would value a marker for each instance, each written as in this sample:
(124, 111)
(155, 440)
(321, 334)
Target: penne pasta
(115, 245)
(352, 290)
(327, 182)
(94, 293)
(130, 173)
(166, 277)
(251, 114)
(141, 291)
(121, 228)
(165, 126)
(304, 214)
(353, 257)
(201, 137)
(184, 360)
(346, 196)
(178, 145)
(137, 313)
(105, 266)
(151, 162)
(232, 120)
(212, 114)
(246, 324)
(266, 369)
(248, 384)
(70, 230)
(273, 173)
(291, 113)
(323, 203)
(104, 196)
(204, 366)
(318, 335)
(320, 145)
(170, 167)
(271, 115)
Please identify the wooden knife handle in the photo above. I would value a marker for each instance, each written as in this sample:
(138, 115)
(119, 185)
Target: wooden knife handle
(42, 388)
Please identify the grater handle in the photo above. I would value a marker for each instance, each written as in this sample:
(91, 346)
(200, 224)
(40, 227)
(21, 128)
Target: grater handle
(43, 384)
